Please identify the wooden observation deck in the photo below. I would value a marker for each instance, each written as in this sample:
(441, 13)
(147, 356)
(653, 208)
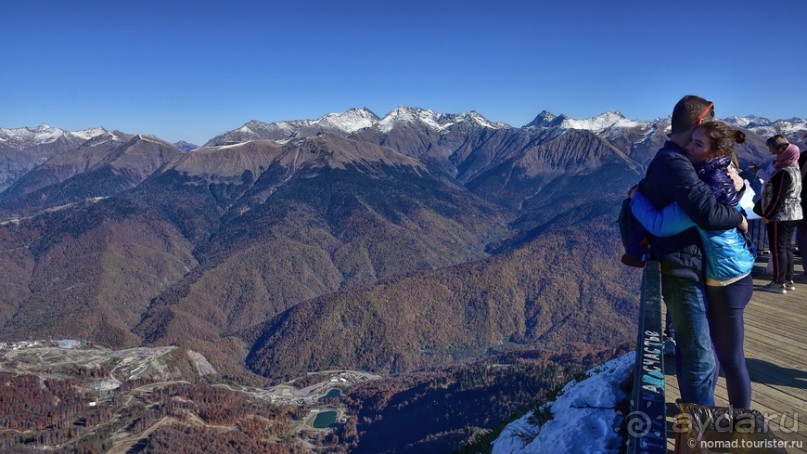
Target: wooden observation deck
(776, 355)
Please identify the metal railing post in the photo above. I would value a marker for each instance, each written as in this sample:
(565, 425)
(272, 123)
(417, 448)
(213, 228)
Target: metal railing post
(647, 422)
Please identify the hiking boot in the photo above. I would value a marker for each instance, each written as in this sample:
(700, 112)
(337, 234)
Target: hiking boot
(790, 286)
(774, 287)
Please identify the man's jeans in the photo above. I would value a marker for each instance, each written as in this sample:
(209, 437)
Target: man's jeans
(694, 357)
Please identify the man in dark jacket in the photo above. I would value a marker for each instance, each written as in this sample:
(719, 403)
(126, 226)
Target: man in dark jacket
(671, 177)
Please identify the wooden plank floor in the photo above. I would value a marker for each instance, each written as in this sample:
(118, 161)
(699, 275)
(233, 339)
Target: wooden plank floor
(776, 354)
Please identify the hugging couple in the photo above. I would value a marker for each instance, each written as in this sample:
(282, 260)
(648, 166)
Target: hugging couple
(688, 201)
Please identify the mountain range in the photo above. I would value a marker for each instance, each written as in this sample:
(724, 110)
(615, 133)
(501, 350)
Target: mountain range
(464, 260)
(388, 244)
(22, 149)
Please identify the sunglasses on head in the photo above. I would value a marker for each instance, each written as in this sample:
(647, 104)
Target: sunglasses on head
(701, 118)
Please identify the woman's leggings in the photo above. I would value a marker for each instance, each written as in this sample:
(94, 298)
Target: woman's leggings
(726, 306)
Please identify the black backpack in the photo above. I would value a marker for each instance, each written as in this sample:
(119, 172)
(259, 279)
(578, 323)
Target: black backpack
(635, 239)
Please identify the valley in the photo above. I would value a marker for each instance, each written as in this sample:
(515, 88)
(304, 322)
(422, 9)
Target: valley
(121, 386)
(96, 399)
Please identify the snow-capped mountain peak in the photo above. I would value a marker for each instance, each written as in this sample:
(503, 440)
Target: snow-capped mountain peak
(350, 121)
(246, 129)
(405, 114)
(45, 134)
(601, 122)
(792, 125)
(546, 119)
(433, 120)
(87, 134)
(749, 121)
(763, 127)
(41, 134)
(479, 119)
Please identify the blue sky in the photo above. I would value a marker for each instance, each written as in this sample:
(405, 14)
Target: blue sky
(194, 69)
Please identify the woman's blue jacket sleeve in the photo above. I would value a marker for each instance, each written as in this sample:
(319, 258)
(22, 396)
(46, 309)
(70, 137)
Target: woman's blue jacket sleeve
(668, 222)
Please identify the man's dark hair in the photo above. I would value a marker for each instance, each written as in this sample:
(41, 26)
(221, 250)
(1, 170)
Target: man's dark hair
(687, 112)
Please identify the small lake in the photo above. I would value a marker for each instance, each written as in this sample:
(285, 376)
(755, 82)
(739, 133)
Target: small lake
(325, 419)
(333, 393)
